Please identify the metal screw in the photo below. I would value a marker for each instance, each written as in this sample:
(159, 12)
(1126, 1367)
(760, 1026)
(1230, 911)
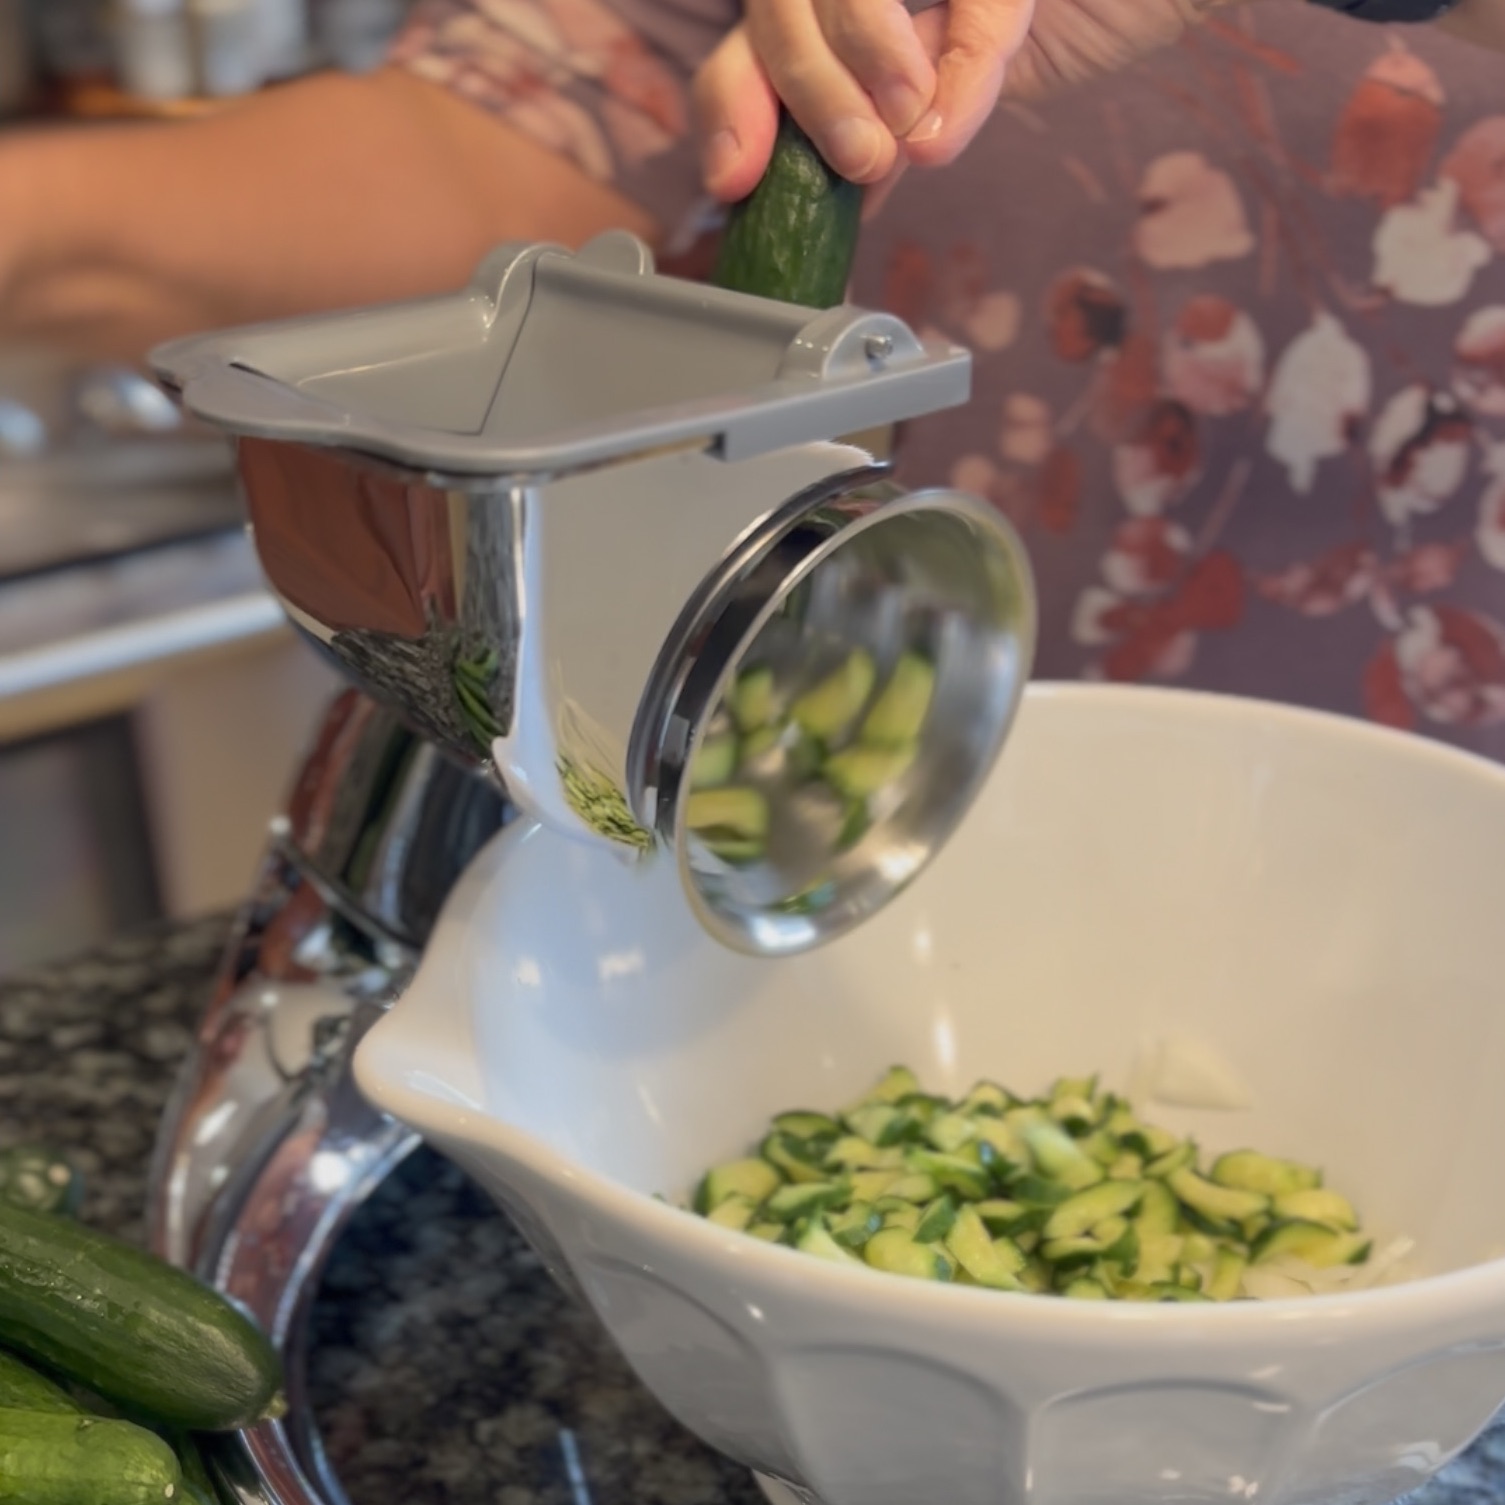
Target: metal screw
(878, 346)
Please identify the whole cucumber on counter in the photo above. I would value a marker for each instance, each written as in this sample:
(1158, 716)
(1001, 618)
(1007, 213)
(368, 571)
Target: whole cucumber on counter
(794, 236)
(23, 1389)
(53, 1459)
(198, 1486)
(130, 1327)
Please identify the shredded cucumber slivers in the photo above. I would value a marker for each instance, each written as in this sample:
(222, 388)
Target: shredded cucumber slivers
(1069, 1194)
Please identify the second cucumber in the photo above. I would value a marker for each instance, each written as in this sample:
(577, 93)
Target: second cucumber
(130, 1327)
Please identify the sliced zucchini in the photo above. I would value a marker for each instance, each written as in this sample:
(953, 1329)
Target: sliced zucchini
(892, 1249)
(994, 1263)
(1227, 1275)
(950, 1131)
(914, 1187)
(806, 1125)
(1057, 1155)
(792, 1157)
(815, 1238)
(1248, 1170)
(754, 699)
(738, 814)
(1314, 1244)
(855, 1224)
(1226, 1206)
(936, 1221)
(897, 1082)
(1182, 1157)
(1085, 1288)
(750, 1179)
(858, 1154)
(879, 1123)
(869, 1186)
(1002, 1139)
(859, 771)
(791, 1203)
(966, 1177)
(715, 762)
(735, 1212)
(1316, 1204)
(1078, 1214)
(1159, 1211)
(898, 714)
(986, 1097)
(829, 708)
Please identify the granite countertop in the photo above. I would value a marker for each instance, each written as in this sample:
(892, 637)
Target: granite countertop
(446, 1366)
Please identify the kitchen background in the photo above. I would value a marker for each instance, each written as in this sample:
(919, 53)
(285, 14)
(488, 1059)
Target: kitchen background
(152, 701)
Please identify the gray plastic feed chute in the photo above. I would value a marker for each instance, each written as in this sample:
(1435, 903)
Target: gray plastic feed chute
(599, 530)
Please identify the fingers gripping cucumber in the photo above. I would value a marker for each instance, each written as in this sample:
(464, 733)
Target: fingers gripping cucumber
(137, 1331)
(64, 1460)
(794, 236)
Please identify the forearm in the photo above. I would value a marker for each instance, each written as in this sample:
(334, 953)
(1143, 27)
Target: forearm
(332, 192)
(1479, 21)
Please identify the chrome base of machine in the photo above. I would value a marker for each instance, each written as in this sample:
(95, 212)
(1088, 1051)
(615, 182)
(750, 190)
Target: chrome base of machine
(267, 1148)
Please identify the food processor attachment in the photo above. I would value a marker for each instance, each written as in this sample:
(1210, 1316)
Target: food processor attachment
(598, 529)
(596, 545)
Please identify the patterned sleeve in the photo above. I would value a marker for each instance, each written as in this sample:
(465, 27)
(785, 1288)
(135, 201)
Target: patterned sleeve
(602, 82)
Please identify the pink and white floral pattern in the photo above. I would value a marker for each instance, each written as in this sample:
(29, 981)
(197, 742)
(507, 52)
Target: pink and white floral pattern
(1239, 324)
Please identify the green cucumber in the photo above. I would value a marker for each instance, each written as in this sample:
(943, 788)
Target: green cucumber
(23, 1389)
(198, 1486)
(57, 1459)
(735, 1212)
(898, 715)
(715, 762)
(816, 1239)
(40, 1179)
(1316, 1204)
(991, 1262)
(754, 699)
(794, 237)
(751, 1179)
(827, 709)
(860, 771)
(936, 1221)
(895, 1250)
(734, 813)
(1077, 1215)
(131, 1328)
(1248, 1170)
(1313, 1243)
(1218, 1204)
(806, 1125)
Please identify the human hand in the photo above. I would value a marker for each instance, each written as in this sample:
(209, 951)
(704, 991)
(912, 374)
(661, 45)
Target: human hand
(871, 85)
(839, 62)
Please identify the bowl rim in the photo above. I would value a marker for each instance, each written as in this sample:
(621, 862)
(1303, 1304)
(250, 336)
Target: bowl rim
(1436, 1297)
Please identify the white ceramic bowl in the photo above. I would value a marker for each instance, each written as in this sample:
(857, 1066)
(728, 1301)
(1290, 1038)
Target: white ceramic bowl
(1318, 901)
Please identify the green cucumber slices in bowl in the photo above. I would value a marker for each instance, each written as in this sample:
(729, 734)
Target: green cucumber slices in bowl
(1072, 1193)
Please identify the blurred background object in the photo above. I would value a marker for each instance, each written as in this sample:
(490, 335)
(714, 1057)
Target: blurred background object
(95, 58)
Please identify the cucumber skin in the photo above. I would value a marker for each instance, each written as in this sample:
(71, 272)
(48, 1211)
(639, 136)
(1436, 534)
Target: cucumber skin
(23, 1389)
(795, 235)
(130, 1327)
(50, 1459)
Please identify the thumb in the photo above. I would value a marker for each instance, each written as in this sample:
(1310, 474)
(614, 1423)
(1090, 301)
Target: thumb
(981, 37)
(737, 112)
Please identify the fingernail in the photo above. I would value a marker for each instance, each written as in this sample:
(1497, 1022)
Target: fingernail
(928, 129)
(899, 104)
(719, 156)
(852, 145)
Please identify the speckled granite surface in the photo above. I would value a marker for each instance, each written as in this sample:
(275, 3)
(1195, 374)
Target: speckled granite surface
(447, 1369)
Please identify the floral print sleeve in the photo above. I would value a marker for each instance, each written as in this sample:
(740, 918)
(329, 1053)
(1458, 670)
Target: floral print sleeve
(1239, 324)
